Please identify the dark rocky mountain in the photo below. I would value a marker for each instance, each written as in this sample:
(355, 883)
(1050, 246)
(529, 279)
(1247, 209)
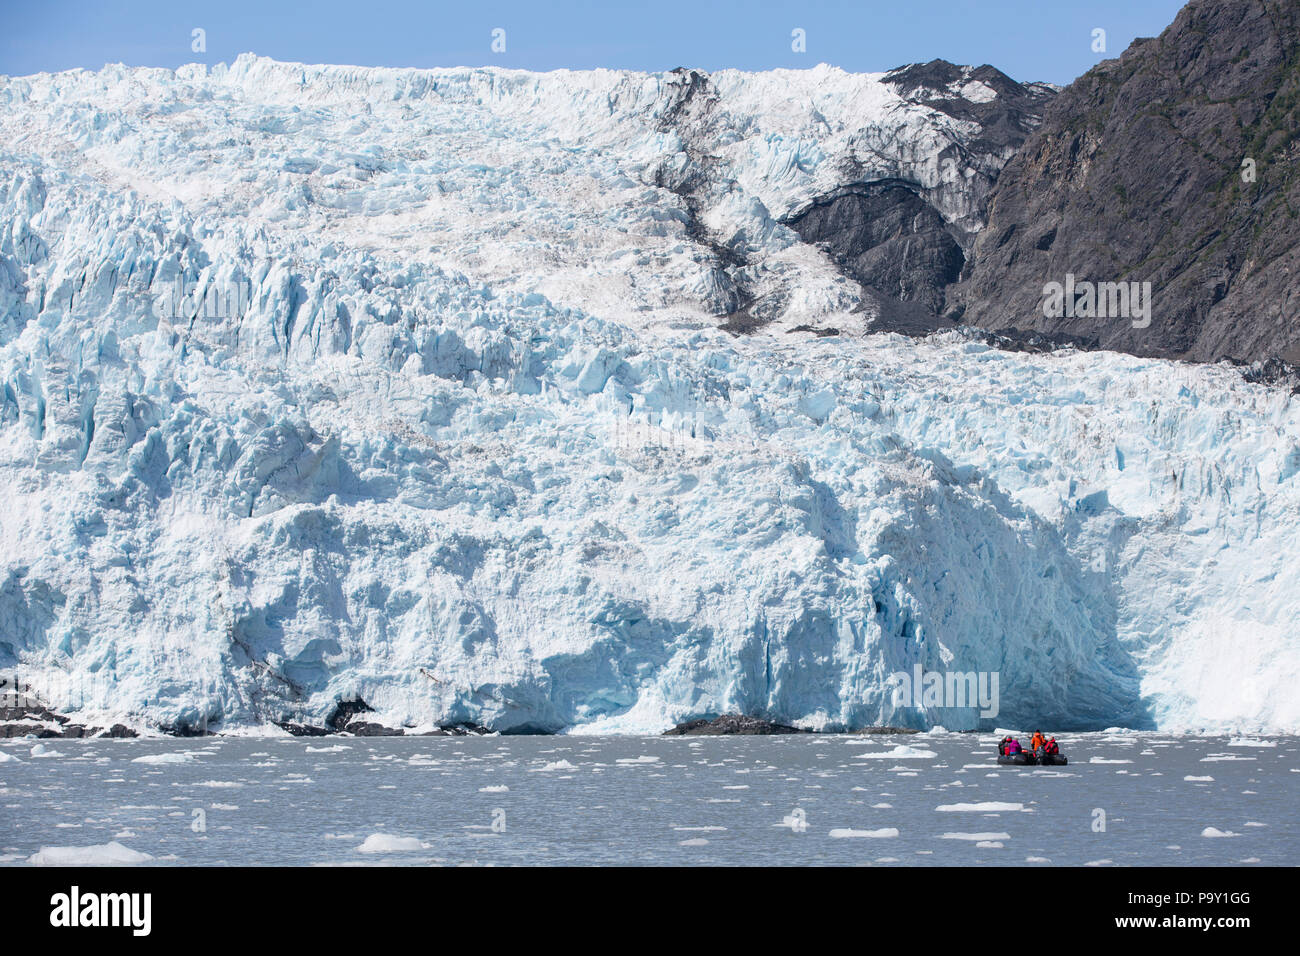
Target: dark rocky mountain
(887, 233)
(1140, 172)
(889, 222)
(889, 238)
(1005, 121)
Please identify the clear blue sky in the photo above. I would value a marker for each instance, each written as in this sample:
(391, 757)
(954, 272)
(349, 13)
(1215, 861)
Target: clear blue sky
(1028, 39)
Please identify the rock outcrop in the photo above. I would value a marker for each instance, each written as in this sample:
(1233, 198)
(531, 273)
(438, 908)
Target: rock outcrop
(731, 724)
(1173, 165)
(891, 233)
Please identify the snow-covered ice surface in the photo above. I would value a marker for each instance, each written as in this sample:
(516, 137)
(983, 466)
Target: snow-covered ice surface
(659, 800)
(475, 451)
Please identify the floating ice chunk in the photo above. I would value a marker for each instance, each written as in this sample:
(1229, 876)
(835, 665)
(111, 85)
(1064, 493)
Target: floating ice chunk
(991, 806)
(1107, 760)
(553, 766)
(494, 788)
(40, 750)
(884, 833)
(388, 843)
(976, 836)
(694, 841)
(1251, 742)
(164, 758)
(900, 752)
(1192, 779)
(1216, 832)
(105, 854)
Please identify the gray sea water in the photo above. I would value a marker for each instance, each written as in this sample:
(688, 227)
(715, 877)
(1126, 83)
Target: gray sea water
(1125, 799)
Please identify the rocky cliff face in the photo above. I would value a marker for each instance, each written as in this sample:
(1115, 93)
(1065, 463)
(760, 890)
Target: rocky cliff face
(889, 233)
(1173, 165)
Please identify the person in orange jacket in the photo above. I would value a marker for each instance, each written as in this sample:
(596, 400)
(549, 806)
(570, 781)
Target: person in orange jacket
(1036, 741)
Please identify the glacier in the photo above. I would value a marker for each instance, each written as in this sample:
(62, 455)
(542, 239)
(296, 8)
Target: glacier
(443, 419)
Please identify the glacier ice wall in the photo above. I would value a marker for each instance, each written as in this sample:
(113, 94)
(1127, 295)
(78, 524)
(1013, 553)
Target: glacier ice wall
(471, 447)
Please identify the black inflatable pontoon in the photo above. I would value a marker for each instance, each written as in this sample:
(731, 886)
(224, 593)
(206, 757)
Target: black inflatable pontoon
(1026, 759)
(1021, 759)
